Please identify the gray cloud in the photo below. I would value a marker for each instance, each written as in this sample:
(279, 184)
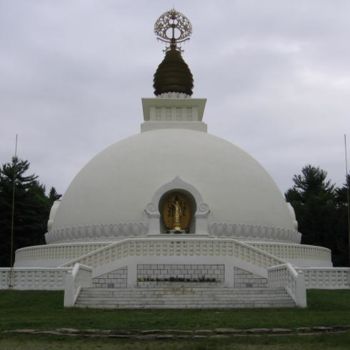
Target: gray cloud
(276, 75)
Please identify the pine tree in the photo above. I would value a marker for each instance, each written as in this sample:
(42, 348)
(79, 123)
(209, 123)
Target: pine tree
(342, 229)
(313, 198)
(32, 208)
(53, 195)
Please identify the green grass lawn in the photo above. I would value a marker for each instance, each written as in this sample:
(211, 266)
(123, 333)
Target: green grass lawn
(44, 310)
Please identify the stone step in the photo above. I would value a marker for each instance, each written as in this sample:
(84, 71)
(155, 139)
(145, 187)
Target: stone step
(183, 297)
(212, 294)
(182, 291)
(180, 306)
(91, 297)
(181, 302)
(179, 295)
(218, 297)
(188, 306)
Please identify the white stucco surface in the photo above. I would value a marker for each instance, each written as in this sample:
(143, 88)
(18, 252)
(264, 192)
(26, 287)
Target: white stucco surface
(116, 185)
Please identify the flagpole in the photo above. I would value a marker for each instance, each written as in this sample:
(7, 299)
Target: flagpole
(347, 192)
(10, 284)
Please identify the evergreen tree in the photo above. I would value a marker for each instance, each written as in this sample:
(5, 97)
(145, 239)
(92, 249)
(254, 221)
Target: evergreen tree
(342, 229)
(313, 198)
(53, 195)
(32, 208)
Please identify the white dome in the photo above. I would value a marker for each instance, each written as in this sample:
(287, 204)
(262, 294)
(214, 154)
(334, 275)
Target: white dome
(115, 187)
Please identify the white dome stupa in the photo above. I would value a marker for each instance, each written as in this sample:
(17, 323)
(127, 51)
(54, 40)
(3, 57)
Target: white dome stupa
(176, 204)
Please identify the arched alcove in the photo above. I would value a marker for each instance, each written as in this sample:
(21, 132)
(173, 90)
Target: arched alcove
(199, 223)
(177, 208)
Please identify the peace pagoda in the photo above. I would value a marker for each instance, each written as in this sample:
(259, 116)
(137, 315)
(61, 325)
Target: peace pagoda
(174, 217)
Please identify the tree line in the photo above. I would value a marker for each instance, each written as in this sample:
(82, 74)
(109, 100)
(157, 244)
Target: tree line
(31, 211)
(321, 210)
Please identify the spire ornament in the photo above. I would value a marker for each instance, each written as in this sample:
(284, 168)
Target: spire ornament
(173, 74)
(173, 27)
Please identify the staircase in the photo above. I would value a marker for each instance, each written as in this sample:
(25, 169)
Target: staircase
(183, 298)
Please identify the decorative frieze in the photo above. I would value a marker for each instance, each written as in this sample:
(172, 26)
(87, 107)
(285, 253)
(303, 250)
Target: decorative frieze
(254, 232)
(173, 95)
(97, 232)
(172, 114)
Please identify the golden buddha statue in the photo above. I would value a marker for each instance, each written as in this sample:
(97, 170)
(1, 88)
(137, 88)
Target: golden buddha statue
(176, 213)
(177, 216)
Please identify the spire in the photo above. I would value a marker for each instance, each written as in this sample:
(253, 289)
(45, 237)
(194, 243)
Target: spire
(173, 74)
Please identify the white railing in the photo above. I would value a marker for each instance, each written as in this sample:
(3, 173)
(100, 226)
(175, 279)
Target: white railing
(294, 251)
(54, 252)
(32, 278)
(326, 278)
(287, 277)
(80, 276)
(177, 247)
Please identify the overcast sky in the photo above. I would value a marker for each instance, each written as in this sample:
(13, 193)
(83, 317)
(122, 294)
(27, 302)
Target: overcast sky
(276, 75)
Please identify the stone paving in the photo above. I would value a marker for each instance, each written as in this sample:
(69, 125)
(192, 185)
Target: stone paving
(182, 334)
